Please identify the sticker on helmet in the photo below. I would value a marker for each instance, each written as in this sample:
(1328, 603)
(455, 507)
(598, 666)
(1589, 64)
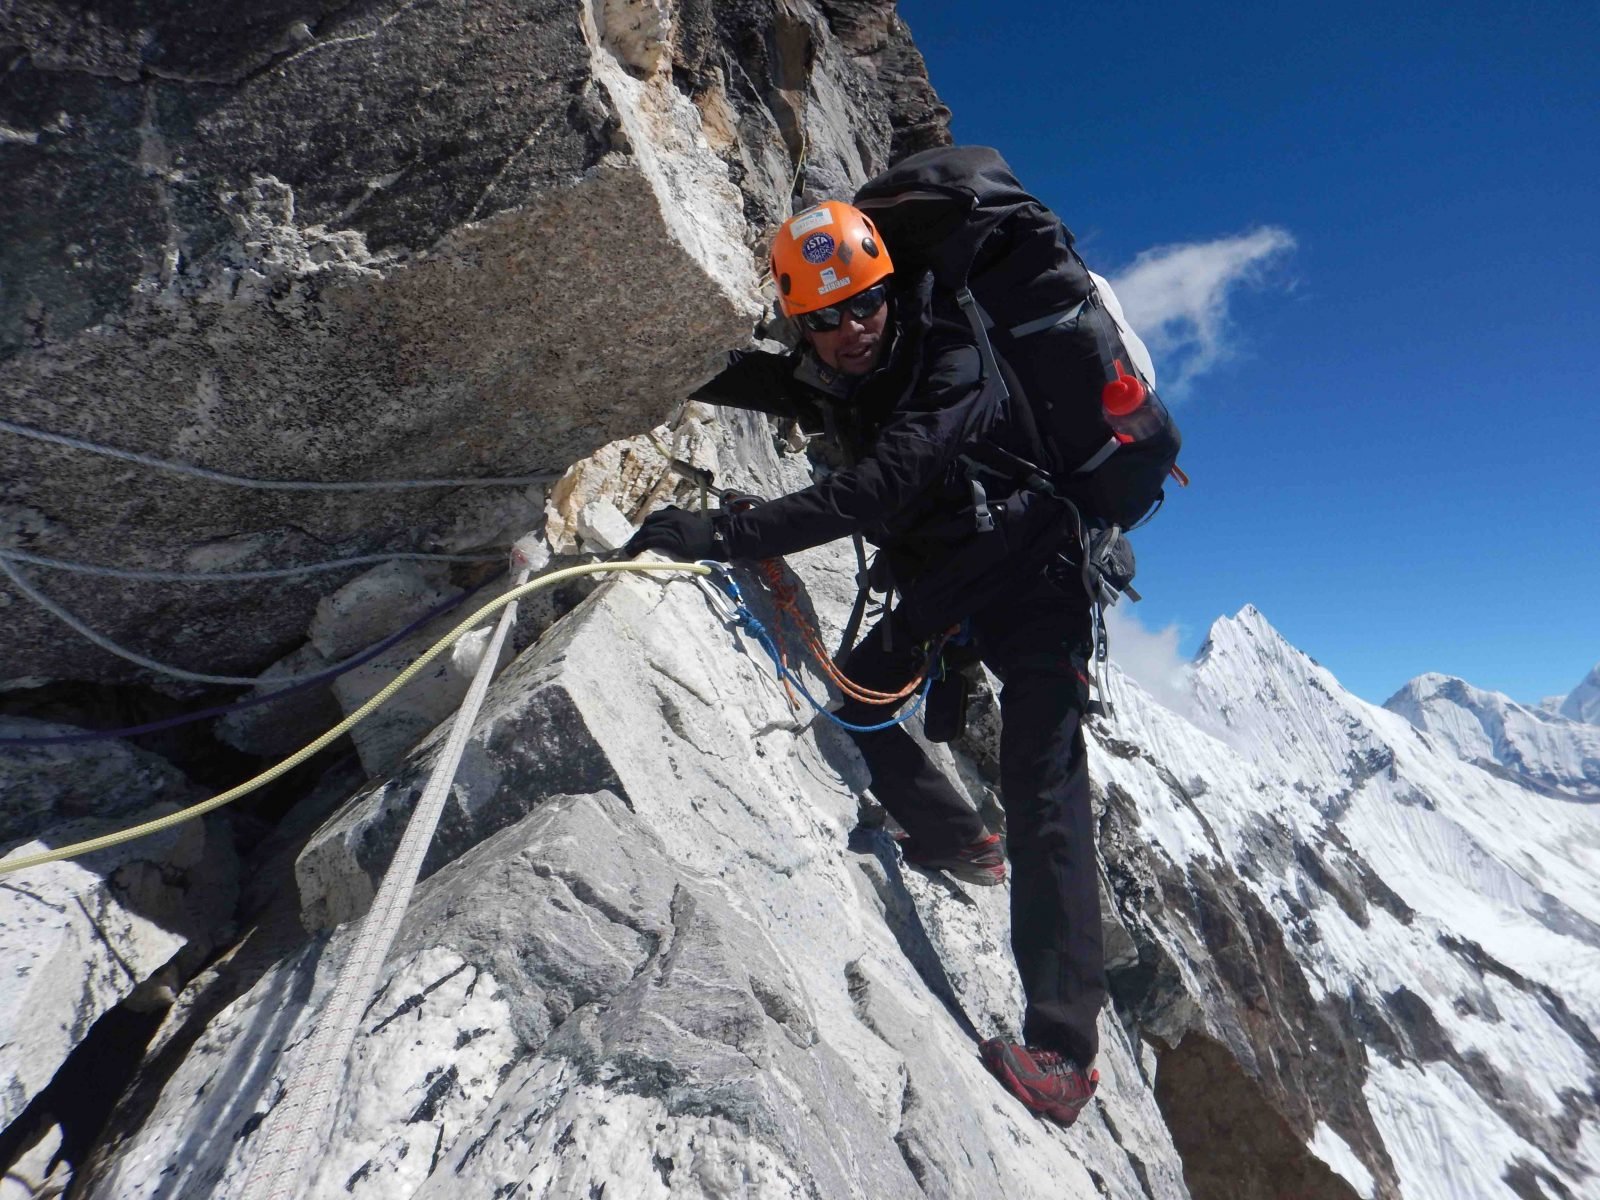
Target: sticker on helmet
(831, 282)
(807, 221)
(818, 248)
(845, 253)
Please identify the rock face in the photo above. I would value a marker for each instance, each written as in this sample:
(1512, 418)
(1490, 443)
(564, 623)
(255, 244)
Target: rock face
(657, 950)
(685, 980)
(374, 241)
(123, 925)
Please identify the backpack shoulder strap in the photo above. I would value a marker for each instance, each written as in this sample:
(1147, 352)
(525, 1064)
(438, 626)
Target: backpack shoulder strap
(979, 320)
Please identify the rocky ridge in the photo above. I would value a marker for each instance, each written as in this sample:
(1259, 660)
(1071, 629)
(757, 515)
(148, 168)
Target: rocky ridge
(663, 946)
(1583, 702)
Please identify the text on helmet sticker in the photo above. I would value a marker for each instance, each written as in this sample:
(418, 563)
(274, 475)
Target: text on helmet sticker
(830, 283)
(807, 221)
(818, 248)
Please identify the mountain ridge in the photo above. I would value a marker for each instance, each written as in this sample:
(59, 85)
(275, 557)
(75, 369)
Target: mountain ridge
(1548, 750)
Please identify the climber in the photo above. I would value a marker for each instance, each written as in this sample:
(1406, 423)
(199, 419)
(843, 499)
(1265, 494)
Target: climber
(889, 369)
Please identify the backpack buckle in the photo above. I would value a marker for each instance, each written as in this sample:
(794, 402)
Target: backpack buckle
(982, 515)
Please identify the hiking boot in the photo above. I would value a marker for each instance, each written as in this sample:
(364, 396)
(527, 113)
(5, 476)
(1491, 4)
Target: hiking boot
(982, 862)
(1048, 1083)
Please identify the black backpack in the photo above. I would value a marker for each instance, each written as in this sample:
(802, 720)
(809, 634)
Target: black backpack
(1009, 263)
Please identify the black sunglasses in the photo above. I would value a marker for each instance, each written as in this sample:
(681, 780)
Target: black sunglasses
(860, 306)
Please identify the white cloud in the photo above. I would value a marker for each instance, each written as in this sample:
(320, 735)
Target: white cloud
(1176, 297)
(1150, 659)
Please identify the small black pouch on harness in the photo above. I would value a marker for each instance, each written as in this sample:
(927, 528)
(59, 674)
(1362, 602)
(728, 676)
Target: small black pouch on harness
(944, 716)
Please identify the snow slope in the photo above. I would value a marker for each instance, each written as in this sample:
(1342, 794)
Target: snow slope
(1548, 750)
(1453, 914)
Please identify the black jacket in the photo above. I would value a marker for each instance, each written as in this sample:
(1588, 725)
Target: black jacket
(906, 427)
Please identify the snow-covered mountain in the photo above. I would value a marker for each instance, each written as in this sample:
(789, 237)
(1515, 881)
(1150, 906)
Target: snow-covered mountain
(1444, 915)
(1491, 729)
(1583, 702)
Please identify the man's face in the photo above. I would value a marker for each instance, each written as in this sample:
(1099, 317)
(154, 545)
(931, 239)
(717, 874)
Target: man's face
(856, 346)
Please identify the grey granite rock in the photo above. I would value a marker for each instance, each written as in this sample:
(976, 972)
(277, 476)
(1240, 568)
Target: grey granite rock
(79, 937)
(37, 1174)
(383, 240)
(683, 983)
(283, 343)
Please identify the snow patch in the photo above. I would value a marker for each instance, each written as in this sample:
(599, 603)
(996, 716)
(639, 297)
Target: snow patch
(1444, 1141)
(1333, 1150)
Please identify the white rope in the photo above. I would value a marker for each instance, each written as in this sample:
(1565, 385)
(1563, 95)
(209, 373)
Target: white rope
(99, 639)
(282, 485)
(61, 564)
(298, 1125)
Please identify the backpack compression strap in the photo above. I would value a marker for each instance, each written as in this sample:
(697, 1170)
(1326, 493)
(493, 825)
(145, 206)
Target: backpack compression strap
(1048, 321)
(979, 320)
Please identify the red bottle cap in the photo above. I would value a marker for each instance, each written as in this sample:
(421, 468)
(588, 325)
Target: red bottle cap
(1123, 394)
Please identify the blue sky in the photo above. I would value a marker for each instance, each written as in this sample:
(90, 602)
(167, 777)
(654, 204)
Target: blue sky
(1367, 241)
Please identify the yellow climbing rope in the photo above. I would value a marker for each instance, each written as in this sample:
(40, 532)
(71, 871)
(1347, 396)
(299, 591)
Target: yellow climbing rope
(299, 756)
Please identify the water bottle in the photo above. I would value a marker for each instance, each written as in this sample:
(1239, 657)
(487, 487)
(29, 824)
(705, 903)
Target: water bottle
(1132, 409)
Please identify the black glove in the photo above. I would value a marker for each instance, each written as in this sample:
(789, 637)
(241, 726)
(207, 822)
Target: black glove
(685, 536)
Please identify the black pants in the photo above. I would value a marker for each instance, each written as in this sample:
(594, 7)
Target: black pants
(1035, 639)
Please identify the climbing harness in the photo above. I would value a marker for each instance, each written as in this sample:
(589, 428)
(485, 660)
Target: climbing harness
(858, 609)
(282, 485)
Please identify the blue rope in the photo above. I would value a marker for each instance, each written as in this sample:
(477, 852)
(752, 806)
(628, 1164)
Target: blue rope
(751, 624)
(915, 708)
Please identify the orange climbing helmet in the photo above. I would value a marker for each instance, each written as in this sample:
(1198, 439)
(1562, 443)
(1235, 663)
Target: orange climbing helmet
(826, 254)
